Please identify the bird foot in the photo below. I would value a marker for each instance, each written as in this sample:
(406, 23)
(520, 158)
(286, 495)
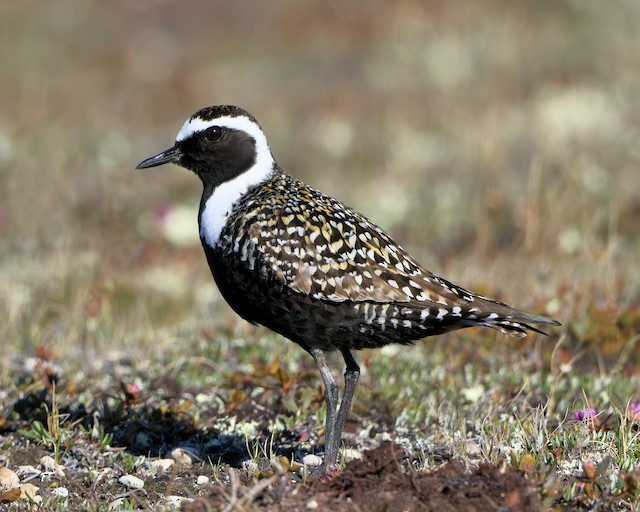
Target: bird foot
(324, 473)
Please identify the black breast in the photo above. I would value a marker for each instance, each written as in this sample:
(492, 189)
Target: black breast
(258, 297)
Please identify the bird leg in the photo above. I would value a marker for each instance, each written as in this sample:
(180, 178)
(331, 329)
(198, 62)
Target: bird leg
(351, 376)
(331, 397)
(335, 422)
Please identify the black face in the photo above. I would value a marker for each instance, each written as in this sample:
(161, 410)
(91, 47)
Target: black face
(217, 154)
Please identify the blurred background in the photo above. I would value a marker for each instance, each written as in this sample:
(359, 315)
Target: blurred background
(497, 141)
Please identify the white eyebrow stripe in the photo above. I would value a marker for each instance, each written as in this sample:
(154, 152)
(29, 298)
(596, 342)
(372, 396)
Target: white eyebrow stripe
(196, 124)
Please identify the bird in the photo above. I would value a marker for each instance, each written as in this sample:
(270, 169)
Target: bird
(303, 264)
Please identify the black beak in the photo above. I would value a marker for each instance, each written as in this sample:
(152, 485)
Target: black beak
(172, 155)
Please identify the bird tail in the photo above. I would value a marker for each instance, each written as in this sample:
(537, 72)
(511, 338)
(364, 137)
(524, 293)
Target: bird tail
(510, 321)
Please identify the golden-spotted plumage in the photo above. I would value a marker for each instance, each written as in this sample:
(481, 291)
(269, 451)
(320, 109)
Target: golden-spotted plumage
(308, 246)
(310, 268)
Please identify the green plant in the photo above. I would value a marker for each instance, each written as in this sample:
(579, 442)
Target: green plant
(130, 462)
(53, 434)
(98, 434)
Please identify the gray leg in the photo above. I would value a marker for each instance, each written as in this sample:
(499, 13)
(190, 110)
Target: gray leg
(351, 375)
(331, 397)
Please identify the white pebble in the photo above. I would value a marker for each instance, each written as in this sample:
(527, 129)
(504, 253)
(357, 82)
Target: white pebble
(312, 505)
(183, 456)
(30, 492)
(349, 454)
(48, 463)
(202, 398)
(8, 479)
(202, 480)
(61, 492)
(162, 464)
(311, 460)
(132, 482)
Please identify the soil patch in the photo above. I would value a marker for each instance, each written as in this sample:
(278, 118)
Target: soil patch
(384, 481)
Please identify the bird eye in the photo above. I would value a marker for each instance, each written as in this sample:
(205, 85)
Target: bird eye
(212, 134)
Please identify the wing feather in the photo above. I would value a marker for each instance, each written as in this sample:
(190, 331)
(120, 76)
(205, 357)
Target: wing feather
(335, 254)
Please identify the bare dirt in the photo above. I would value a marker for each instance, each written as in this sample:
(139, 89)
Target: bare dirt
(381, 482)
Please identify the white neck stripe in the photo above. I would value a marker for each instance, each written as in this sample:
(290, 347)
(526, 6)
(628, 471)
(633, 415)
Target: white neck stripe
(218, 206)
(195, 124)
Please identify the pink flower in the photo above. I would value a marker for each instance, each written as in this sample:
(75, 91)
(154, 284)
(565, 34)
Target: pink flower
(634, 411)
(585, 414)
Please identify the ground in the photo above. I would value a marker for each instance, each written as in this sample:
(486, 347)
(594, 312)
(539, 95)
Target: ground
(496, 141)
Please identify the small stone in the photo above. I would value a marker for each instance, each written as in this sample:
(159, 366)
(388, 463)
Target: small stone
(311, 460)
(163, 465)
(349, 454)
(61, 492)
(183, 457)
(202, 480)
(284, 460)
(202, 398)
(30, 492)
(132, 482)
(8, 479)
(48, 463)
(312, 505)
